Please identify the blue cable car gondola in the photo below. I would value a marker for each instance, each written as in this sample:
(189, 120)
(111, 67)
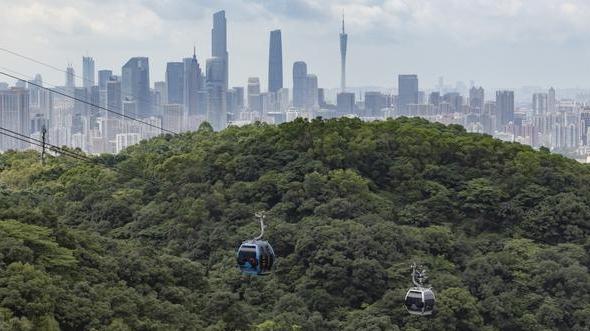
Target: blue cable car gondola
(256, 257)
(419, 300)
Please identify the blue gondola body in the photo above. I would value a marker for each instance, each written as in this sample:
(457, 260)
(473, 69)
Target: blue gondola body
(255, 258)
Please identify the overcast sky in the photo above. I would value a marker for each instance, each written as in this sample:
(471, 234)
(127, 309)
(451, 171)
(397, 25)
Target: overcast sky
(496, 43)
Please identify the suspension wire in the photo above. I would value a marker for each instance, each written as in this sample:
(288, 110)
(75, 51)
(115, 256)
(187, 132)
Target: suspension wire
(87, 103)
(56, 87)
(66, 152)
(261, 216)
(28, 58)
(36, 142)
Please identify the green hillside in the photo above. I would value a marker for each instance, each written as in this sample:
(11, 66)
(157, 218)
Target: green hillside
(503, 230)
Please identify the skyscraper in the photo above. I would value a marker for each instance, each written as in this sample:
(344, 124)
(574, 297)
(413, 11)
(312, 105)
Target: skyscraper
(504, 107)
(216, 99)
(476, 99)
(239, 97)
(408, 92)
(311, 92)
(70, 77)
(299, 83)
(551, 103)
(192, 86)
(14, 115)
(343, 46)
(103, 78)
(345, 103)
(88, 72)
(374, 103)
(275, 62)
(135, 85)
(175, 82)
(540, 103)
(219, 43)
(254, 99)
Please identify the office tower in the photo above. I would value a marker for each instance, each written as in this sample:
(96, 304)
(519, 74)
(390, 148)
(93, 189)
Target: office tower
(175, 82)
(103, 78)
(321, 97)
(192, 86)
(311, 92)
(80, 110)
(160, 96)
(345, 103)
(219, 43)
(585, 125)
(551, 102)
(434, 99)
(114, 98)
(239, 97)
(408, 92)
(455, 102)
(216, 99)
(283, 99)
(232, 104)
(254, 99)
(275, 62)
(476, 99)
(15, 116)
(299, 83)
(504, 107)
(343, 46)
(35, 91)
(173, 117)
(540, 103)
(374, 103)
(88, 71)
(70, 77)
(135, 85)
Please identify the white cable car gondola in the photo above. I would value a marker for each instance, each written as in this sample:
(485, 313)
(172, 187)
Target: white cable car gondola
(419, 300)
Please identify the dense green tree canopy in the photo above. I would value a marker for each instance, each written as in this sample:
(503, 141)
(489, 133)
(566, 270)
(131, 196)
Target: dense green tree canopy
(503, 230)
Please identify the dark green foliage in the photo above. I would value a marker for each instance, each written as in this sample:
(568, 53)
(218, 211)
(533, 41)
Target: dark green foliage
(503, 229)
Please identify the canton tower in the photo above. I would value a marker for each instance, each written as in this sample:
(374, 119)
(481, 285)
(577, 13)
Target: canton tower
(343, 43)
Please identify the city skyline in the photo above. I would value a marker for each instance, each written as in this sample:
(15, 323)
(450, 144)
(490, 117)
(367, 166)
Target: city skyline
(381, 49)
(197, 89)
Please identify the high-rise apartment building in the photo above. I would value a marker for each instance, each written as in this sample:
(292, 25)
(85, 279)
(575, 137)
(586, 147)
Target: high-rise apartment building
(476, 99)
(504, 107)
(15, 116)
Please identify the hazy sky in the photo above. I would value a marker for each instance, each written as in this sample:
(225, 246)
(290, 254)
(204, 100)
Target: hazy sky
(496, 43)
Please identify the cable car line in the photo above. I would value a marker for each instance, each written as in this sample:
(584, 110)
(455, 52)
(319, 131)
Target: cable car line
(87, 103)
(66, 152)
(55, 87)
(28, 58)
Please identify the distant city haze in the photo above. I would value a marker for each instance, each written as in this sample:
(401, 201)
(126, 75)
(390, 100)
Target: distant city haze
(496, 43)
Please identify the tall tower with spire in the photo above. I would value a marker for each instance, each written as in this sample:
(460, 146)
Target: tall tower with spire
(343, 44)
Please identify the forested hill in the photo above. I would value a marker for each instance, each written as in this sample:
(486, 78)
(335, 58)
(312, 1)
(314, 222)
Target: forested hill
(502, 229)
